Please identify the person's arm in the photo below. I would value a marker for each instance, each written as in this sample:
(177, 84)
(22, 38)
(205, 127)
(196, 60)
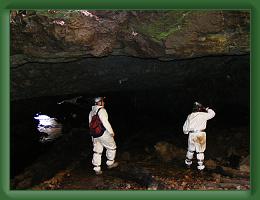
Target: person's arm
(186, 126)
(89, 118)
(104, 119)
(210, 113)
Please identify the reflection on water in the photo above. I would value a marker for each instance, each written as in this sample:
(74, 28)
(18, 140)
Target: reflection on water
(49, 128)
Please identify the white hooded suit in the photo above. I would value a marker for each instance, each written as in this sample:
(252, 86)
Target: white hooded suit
(106, 140)
(195, 126)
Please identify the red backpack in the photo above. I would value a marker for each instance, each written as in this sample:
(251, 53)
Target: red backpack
(96, 128)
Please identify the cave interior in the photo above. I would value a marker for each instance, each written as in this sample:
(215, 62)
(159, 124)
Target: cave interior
(148, 95)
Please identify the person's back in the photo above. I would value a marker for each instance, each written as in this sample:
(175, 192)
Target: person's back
(198, 120)
(102, 113)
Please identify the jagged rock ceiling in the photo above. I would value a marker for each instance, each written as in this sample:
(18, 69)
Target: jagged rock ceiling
(64, 52)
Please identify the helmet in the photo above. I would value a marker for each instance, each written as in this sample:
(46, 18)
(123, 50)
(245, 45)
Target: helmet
(97, 99)
(198, 107)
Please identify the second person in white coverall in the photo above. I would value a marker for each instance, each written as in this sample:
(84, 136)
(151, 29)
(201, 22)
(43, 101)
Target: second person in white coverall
(195, 126)
(106, 140)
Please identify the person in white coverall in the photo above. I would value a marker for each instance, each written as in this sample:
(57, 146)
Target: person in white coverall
(106, 140)
(195, 126)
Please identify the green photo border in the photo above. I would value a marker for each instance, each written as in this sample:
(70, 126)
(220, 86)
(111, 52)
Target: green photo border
(7, 5)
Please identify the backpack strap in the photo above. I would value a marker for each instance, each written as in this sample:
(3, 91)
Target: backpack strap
(98, 110)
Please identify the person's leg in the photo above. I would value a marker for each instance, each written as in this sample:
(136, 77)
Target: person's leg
(189, 156)
(200, 158)
(200, 148)
(191, 149)
(97, 153)
(110, 145)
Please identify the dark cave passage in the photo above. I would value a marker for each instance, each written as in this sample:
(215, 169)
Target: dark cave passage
(142, 116)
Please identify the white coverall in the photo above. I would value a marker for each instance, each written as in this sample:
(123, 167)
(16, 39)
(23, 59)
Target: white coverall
(106, 140)
(195, 125)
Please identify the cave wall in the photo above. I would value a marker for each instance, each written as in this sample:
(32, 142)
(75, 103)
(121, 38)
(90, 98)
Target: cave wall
(61, 52)
(224, 75)
(183, 55)
(67, 35)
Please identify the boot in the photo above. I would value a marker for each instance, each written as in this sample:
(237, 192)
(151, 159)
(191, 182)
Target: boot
(115, 164)
(98, 172)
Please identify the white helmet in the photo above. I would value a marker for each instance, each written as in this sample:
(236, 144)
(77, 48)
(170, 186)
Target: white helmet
(97, 99)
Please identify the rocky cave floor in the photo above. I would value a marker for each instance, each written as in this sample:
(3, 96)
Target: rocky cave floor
(147, 176)
(150, 167)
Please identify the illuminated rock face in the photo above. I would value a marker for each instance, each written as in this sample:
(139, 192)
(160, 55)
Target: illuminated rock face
(48, 127)
(59, 36)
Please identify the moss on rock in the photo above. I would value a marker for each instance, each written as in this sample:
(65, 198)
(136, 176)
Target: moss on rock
(160, 28)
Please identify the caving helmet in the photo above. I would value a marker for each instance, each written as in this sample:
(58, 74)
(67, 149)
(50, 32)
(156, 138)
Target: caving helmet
(98, 99)
(198, 107)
